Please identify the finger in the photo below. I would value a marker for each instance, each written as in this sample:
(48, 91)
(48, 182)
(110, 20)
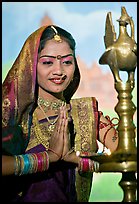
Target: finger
(66, 135)
(65, 128)
(65, 111)
(65, 121)
(60, 121)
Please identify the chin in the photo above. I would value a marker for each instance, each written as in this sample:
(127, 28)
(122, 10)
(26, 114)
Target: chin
(59, 90)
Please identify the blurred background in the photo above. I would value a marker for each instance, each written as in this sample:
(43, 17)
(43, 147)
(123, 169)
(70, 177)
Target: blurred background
(86, 22)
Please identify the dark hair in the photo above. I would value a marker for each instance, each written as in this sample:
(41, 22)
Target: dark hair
(48, 34)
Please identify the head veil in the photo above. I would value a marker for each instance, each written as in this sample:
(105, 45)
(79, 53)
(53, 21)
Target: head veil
(18, 98)
(18, 88)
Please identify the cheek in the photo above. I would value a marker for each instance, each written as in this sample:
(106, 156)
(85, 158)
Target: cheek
(39, 78)
(41, 75)
(70, 72)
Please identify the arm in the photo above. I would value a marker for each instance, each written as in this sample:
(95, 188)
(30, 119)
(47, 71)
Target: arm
(108, 136)
(9, 162)
(7, 165)
(13, 164)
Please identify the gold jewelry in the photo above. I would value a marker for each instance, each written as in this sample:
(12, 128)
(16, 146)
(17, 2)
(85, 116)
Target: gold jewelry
(52, 123)
(43, 132)
(69, 152)
(51, 150)
(56, 36)
(50, 105)
(42, 135)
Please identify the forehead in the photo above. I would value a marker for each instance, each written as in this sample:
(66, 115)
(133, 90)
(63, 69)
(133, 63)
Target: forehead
(56, 48)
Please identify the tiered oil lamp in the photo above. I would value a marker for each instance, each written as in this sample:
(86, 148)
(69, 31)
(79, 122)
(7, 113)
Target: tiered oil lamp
(121, 55)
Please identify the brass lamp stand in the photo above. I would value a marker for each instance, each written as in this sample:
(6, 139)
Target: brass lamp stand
(121, 55)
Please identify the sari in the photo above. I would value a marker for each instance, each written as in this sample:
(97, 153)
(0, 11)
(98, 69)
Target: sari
(62, 182)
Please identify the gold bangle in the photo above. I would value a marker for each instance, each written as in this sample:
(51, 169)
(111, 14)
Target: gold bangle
(17, 165)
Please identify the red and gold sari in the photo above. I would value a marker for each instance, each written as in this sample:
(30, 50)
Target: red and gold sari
(62, 181)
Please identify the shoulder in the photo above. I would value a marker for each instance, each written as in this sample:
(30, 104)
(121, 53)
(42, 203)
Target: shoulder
(84, 103)
(83, 99)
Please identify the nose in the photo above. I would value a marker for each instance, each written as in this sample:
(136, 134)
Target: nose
(58, 68)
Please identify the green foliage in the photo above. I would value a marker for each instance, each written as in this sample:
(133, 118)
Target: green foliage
(105, 188)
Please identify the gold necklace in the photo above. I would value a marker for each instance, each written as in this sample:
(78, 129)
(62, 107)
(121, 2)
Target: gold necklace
(50, 122)
(42, 135)
(50, 105)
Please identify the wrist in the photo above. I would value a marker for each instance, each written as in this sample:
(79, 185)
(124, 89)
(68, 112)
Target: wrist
(87, 165)
(72, 157)
(53, 156)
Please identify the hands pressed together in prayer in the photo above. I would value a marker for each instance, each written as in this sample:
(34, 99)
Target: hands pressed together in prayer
(59, 143)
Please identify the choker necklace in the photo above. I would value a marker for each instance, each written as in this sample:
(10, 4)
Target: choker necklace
(50, 105)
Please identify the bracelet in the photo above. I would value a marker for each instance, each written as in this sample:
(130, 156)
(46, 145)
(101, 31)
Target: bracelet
(31, 163)
(70, 151)
(17, 165)
(51, 150)
(87, 165)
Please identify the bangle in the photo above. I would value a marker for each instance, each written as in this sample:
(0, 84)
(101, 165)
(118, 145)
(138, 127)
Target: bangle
(88, 165)
(47, 160)
(70, 151)
(94, 166)
(31, 163)
(51, 150)
(83, 165)
(17, 165)
(26, 164)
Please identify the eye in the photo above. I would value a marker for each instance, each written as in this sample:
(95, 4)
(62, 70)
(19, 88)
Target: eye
(67, 62)
(47, 62)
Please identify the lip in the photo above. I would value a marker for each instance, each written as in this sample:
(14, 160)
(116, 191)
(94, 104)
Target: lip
(57, 80)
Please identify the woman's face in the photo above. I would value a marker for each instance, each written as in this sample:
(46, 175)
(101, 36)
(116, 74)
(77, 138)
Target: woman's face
(55, 67)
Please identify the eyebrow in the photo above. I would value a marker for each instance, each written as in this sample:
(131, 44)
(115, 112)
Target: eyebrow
(56, 56)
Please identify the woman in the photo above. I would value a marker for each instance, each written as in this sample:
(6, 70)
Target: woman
(45, 132)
